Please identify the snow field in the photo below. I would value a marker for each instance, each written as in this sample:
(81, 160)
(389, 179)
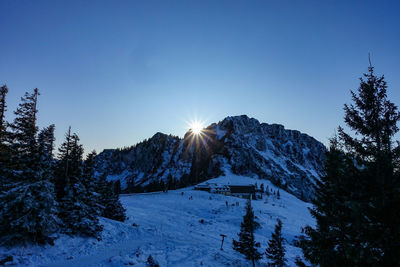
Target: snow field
(178, 228)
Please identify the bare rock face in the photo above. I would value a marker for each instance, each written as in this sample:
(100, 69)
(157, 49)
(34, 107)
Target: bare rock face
(288, 158)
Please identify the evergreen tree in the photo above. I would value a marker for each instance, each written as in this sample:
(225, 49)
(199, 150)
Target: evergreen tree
(299, 262)
(46, 141)
(375, 118)
(62, 168)
(22, 138)
(78, 217)
(109, 201)
(170, 182)
(151, 262)
(246, 243)
(3, 108)
(276, 251)
(357, 203)
(117, 187)
(75, 168)
(88, 176)
(4, 148)
(338, 222)
(28, 211)
(78, 208)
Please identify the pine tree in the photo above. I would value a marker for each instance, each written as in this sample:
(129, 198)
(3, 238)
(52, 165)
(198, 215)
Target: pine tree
(4, 146)
(46, 141)
(326, 244)
(358, 201)
(28, 211)
(62, 167)
(151, 262)
(22, 139)
(117, 187)
(276, 250)
(78, 208)
(3, 108)
(88, 176)
(247, 244)
(109, 201)
(78, 217)
(375, 118)
(299, 262)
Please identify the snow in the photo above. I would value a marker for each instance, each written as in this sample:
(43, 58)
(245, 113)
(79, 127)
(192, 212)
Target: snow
(290, 157)
(175, 230)
(121, 177)
(220, 133)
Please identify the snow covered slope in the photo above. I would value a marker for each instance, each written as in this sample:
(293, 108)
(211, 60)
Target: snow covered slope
(288, 158)
(178, 228)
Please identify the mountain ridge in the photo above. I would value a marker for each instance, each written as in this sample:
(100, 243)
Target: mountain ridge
(288, 158)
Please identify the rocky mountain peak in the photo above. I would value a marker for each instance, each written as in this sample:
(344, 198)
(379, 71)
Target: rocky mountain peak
(288, 158)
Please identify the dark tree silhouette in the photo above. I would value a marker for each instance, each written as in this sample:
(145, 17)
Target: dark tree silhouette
(78, 207)
(276, 250)
(3, 107)
(4, 146)
(28, 211)
(246, 243)
(358, 201)
(109, 202)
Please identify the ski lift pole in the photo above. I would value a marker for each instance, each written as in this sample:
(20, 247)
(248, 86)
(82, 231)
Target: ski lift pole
(222, 241)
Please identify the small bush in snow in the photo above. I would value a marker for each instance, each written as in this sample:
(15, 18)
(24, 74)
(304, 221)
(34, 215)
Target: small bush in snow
(151, 262)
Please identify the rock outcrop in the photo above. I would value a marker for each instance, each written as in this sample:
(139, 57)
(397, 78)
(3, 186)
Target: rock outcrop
(288, 158)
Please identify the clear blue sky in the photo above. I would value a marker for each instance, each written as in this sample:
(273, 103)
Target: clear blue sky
(120, 71)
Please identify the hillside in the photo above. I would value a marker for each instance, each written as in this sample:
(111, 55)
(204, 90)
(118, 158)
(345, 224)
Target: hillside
(170, 228)
(288, 158)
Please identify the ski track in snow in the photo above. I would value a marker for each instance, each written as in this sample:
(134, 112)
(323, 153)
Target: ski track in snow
(169, 229)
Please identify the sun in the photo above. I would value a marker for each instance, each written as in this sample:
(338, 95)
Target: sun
(196, 127)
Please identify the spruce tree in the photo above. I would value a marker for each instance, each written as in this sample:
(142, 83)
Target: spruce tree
(78, 209)
(151, 262)
(28, 211)
(110, 204)
(337, 221)
(89, 180)
(117, 187)
(22, 138)
(357, 203)
(4, 146)
(62, 168)
(374, 118)
(246, 243)
(104, 194)
(276, 250)
(46, 141)
(3, 108)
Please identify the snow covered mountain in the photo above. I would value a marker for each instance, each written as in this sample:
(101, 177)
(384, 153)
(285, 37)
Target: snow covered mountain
(288, 158)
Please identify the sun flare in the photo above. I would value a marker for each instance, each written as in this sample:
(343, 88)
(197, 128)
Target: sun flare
(196, 127)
